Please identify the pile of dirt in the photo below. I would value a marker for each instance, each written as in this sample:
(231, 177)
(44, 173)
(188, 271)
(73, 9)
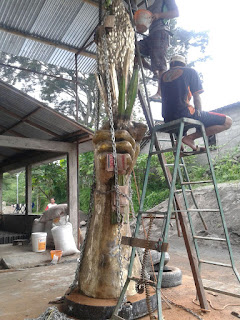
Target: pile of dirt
(206, 199)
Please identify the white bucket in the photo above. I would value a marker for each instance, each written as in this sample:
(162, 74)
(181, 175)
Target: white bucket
(39, 241)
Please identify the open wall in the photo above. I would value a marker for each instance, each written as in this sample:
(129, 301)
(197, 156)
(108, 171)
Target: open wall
(17, 223)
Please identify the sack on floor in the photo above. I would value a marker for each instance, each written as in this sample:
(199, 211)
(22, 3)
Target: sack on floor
(48, 230)
(60, 221)
(38, 226)
(63, 239)
(54, 212)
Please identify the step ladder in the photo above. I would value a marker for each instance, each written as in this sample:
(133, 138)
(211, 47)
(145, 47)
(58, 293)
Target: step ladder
(173, 128)
(176, 128)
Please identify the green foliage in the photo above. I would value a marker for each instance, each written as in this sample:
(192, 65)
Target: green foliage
(226, 167)
(157, 188)
(86, 166)
(10, 188)
(51, 180)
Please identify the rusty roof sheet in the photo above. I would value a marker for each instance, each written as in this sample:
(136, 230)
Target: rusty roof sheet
(24, 116)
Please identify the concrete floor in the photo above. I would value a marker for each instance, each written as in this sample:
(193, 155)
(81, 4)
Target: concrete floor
(23, 257)
(26, 293)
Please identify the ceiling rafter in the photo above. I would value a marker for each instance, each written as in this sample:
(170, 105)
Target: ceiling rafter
(25, 119)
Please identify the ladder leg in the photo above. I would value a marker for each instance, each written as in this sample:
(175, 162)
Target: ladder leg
(121, 298)
(139, 217)
(174, 200)
(189, 217)
(219, 203)
(168, 216)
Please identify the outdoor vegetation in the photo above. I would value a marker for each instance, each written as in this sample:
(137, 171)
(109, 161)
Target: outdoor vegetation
(50, 180)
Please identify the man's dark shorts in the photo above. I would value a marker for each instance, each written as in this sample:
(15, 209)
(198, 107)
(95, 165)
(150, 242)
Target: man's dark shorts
(210, 118)
(155, 46)
(207, 118)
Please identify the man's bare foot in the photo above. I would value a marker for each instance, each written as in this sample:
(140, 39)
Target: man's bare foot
(182, 146)
(189, 142)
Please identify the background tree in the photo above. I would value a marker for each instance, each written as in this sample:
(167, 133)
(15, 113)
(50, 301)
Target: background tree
(58, 93)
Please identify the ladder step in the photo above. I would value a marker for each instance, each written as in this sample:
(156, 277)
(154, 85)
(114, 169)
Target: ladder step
(216, 263)
(191, 153)
(161, 213)
(159, 217)
(180, 190)
(196, 182)
(161, 151)
(115, 317)
(209, 238)
(199, 210)
(151, 212)
(164, 140)
(172, 165)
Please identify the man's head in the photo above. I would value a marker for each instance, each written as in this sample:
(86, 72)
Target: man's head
(52, 200)
(177, 61)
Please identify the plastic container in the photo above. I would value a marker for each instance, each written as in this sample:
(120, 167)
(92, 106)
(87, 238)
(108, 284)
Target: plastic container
(57, 253)
(39, 241)
(143, 19)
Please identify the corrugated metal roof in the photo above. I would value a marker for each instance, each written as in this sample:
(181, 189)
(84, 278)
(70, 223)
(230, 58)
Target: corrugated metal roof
(68, 22)
(24, 116)
(229, 106)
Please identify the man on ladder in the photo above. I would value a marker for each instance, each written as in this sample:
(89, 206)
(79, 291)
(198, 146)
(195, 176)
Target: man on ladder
(178, 85)
(155, 45)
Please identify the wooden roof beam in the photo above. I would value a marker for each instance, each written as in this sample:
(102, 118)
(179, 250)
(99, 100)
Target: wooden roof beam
(17, 134)
(31, 123)
(29, 158)
(36, 144)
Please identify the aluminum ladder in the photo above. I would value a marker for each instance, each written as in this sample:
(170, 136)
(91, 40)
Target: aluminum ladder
(177, 128)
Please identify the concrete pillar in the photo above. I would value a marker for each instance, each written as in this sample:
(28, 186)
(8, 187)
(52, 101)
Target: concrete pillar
(1, 191)
(72, 176)
(28, 189)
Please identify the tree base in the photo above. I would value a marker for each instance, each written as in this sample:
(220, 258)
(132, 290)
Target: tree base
(83, 307)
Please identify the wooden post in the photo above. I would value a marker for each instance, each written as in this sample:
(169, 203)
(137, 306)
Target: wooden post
(72, 176)
(28, 189)
(1, 192)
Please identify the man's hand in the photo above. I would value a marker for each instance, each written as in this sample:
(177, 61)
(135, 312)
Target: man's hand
(156, 16)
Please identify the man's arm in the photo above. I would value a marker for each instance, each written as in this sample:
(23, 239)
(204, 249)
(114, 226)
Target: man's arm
(171, 13)
(197, 102)
(166, 15)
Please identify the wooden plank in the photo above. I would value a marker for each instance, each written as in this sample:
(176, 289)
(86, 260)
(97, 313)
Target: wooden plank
(35, 144)
(142, 243)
